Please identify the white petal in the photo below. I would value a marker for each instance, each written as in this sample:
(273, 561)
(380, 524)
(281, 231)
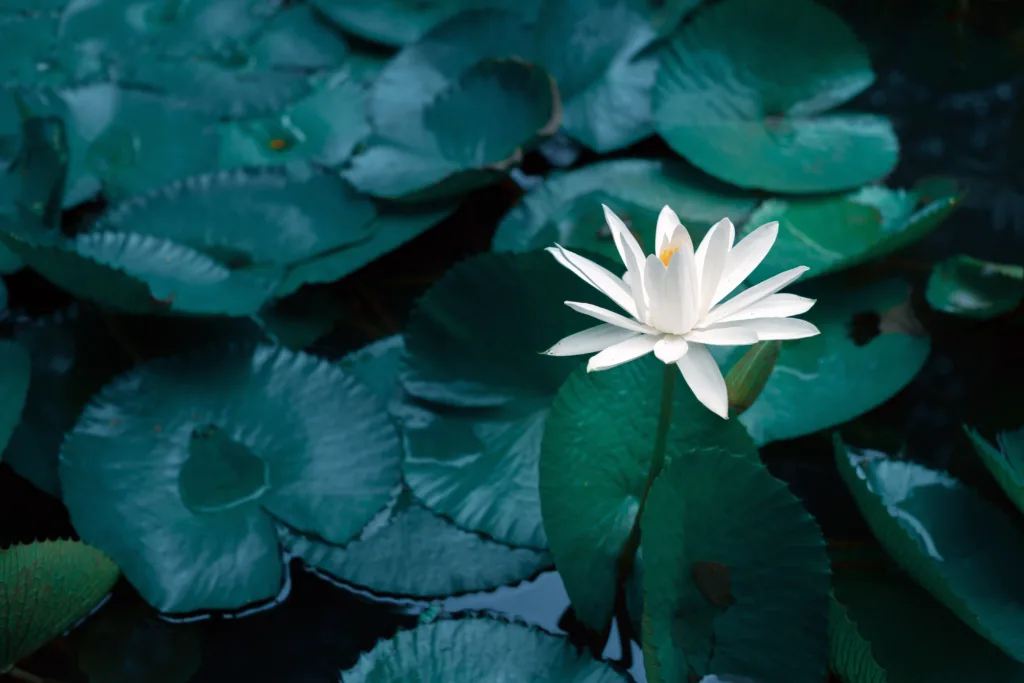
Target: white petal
(607, 316)
(705, 379)
(591, 340)
(774, 306)
(712, 256)
(629, 251)
(670, 349)
(654, 287)
(751, 296)
(777, 328)
(744, 258)
(623, 352)
(726, 335)
(597, 276)
(667, 222)
(676, 314)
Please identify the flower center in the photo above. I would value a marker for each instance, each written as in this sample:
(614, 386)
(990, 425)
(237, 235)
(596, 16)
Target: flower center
(667, 254)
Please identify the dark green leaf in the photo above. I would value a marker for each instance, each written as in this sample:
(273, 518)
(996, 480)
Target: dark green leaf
(750, 109)
(181, 468)
(15, 371)
(746, 379)
(962, 285)
(297, 38)
(36, 177)
(1006, 463)
(850, 656)
(28, 42)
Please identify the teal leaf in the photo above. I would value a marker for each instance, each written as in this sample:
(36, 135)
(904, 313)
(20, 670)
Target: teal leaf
(966, 286)
(595, 458)
(35, 180)
(850, 656)
(930, 524)
(15, 371)
(205, 454)
(566, 208)
(752, 110)
(297, 37)
(28, 43)
(736, 575)
(1005, 463)
(446, 649)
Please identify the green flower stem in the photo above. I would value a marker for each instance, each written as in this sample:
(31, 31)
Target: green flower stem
(668, 384)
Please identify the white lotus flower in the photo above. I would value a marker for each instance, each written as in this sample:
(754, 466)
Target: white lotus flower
(674, 301)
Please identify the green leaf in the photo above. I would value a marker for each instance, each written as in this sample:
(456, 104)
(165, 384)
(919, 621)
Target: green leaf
(966, 286)
(955, 544)
(1006, 463)
(204, 454)
(829, 379)
(750, 109)
(736, 575)
(567, 208)
(746, 379)
(451, 649)
(474, 342)
(45, 587)
(833, 233)
(324, 127)
(476, 128)
(28, 42)
(595, 458)
(301, 319)
(36, 177)
(15, 370)
(296, 37)
(850, 656)
(912, 638)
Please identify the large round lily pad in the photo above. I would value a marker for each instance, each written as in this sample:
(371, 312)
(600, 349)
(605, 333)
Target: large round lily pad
(966, 286)
(954, 543)
(181, 469)
(566, 209)
(736, 575)
(15, 371)
(752, 110)
(596, 454)
(45, 587)
(452, 649)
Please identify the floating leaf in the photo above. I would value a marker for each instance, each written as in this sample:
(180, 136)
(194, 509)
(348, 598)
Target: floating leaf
(833, 233)
(445, 650)
(45, 587)
(28, 42)
(736, 575)
(595, 459)
(15, 370)
(298, 38)
(850, 656)
(1006, 463)
(750, 109)
(567, 208)
(929, 523)
(962, 285)
(204, 453)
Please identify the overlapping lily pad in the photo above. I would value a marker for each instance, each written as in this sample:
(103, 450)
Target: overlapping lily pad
(753, 110)
(954, 543)
(15, 371)
(45, 587)
(870, 347)
(201, 455)
(447, 649)
(736, 575)
(833, 233)
(566, 209)
(966, 286)
(1005, 462)
(596, 454)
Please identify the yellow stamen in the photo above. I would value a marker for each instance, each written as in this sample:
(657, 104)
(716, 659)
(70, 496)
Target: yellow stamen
(667, 254)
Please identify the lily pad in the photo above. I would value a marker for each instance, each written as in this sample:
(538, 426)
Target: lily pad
(870, 347)
(475, 129)
(15, 370)
(298, 37)
(447, 649)
(1006, 463)
(930, 523)
(566, 209)
(595, 459)
(45, 587)
(965, 286)
(471, 450)
(850, 656)
(205, 453)
(736, 575)
(28, 42)
(752, 110)
(833, 233)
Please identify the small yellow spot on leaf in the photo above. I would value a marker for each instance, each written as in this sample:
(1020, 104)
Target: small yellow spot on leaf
(278, 144)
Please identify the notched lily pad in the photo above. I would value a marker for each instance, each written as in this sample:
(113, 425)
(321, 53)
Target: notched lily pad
(208, 453)
(966, 286)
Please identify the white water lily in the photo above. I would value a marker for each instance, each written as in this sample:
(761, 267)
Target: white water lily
(674, 301)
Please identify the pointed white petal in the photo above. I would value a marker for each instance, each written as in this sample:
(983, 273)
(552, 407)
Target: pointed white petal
(776, 328)
(629, 251)
(607, 316)
(597, 276)
(705, 379)
(667, 222)
(623, 352)
(670, 349)
(744, 258)
(726, 335)
(675, 313)
(751, 296)
(774, 306)
(655, 275)
(712, 256)
(591, 340)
